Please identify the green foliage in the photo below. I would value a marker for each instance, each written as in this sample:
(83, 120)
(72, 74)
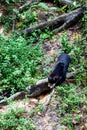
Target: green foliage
(70, 100)
(75, 49)
(32, 112)
(43, 5)
(15, 19)
(39, 108)
(8, 17)
(14, 120)
(68, 121)
(46, 34)
(70, 48)
(30, 16)
(84, 30)
(26, 18)
(64, 41)
(18, 62)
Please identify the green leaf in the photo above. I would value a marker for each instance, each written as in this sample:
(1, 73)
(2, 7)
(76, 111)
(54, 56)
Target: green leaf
(43, 5)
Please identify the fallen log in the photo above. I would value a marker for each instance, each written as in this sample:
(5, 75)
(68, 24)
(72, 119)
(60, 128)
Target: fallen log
(66, 2)
(34, 90)
(16, 96)
(43, 86)
(60, 23)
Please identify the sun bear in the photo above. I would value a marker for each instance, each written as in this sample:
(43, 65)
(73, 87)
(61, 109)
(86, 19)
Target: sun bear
(58, 75)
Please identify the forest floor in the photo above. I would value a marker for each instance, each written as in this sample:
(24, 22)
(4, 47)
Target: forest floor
(51, 119)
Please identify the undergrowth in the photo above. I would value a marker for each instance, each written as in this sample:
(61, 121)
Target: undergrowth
(14, 120)
(71, 105)
(18, 63)
(70, 100)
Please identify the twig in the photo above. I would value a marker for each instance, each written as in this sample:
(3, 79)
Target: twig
(13, 26)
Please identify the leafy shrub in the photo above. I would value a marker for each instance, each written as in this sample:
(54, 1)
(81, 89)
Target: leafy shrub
(14, 120)
(40, 108)
(43, 5)
(64, 41)
(70, 100)
(18, 62)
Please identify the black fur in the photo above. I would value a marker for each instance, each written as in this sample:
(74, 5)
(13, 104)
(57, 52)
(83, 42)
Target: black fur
(58, 74)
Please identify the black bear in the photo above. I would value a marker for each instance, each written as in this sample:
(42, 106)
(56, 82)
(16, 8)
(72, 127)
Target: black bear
(58, 74)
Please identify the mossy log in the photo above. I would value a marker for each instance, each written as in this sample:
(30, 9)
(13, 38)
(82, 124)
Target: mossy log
(66, 2)
(62, 22)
